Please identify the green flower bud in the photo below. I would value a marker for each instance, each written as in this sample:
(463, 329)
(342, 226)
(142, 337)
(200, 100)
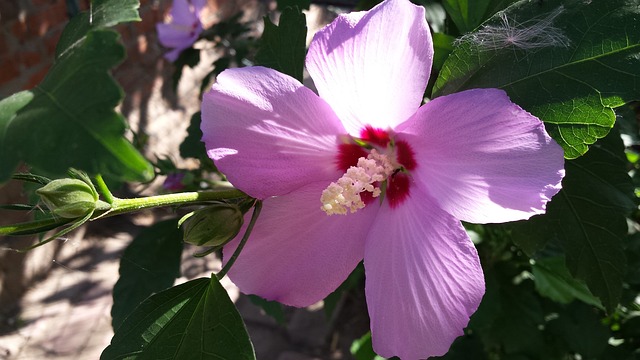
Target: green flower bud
(69, 198)
(214, 225)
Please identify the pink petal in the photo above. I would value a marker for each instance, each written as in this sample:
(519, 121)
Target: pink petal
(171, 36)
(483, 158)
(373, 67)
(423, 279)
(268, 133)
(174, 54)
(182, 12)
(297, 254)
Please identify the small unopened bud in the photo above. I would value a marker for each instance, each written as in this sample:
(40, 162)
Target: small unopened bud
(214, 225)
(69, 198)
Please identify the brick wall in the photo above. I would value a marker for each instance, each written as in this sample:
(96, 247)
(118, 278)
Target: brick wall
(30, 30)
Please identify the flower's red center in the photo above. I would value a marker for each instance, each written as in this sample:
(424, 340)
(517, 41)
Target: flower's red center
(396, 187)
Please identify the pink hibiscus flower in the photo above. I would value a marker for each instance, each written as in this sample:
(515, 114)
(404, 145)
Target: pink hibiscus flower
(184, 28)
(363, 171)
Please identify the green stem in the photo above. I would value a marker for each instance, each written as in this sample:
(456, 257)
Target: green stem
(104, 189)
(120, 206)
(33, 227)
(252, 222)
(59, 234)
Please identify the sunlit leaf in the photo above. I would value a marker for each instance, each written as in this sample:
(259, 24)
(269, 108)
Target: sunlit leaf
(589, 66)
(195, 320)
(9, 107)
(69, 119)
(101, 14)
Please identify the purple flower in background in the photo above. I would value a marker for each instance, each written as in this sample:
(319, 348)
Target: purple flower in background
(184, 28)
(363, 171)
(173, 182)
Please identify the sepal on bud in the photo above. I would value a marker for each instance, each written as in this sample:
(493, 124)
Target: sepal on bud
(69, 198)
(214, 225)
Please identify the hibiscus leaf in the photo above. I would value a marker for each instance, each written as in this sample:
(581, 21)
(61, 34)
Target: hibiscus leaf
(283, 47)
(588, 217)
(101, 14)
(192, 146)
(554, 281)
(467, 15)
(582, 330)
(150, 264)
(302, 4)
(442, 48)
(188, 57)
(70, 119)
(195, 320)
(9, 107)
(588, 66)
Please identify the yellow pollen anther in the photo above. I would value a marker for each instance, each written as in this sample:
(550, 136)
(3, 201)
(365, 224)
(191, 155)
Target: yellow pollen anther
(344, 195)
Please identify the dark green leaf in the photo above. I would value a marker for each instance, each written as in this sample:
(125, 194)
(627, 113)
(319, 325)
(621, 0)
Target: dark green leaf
(588, 218)
(361, 4)
(508, 319)
(355, 279)
(532, 235)
(554, 281)
(467, 15)
(219, 66)
(101, 14)
(189, 57)
(301, 4)
(572, 85)
(627, 119)
(283, 47)
(581, 328)
(192, 146)
(69, 120)
(521, 336)
(633, 257)
(497, 5)
(195, 320)
(150, 264)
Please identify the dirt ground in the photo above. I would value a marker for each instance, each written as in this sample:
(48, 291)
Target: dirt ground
(66, 315)
(65, 311)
